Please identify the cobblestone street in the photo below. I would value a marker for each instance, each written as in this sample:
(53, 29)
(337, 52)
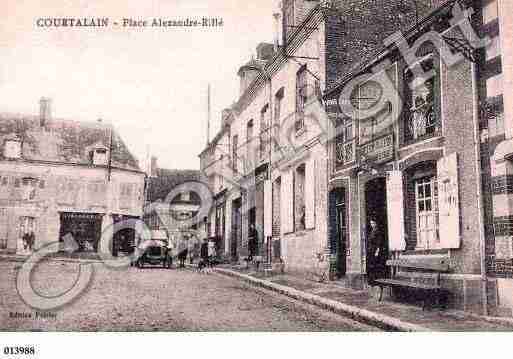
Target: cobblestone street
(160, 300)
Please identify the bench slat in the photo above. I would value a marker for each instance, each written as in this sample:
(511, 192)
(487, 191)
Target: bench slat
(439, 265)
(404, 283)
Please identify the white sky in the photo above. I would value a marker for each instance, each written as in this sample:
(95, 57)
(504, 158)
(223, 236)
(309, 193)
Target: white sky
(151, 83)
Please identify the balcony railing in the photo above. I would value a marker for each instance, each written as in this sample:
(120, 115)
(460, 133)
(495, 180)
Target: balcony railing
(345, 153)
(422, 122)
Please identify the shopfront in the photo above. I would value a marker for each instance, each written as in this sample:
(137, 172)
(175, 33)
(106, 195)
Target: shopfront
(83, 228)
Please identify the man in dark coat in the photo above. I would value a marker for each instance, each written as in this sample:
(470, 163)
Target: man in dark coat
(252, 242)
(377, 253)
(182, 256)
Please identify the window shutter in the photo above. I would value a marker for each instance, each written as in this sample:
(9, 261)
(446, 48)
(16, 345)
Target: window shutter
(310, 194)
(448, 202)
(395, 211)
(268, 209)
(287, 208)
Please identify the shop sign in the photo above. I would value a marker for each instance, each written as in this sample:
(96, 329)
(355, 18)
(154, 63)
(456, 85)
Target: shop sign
(379, 150)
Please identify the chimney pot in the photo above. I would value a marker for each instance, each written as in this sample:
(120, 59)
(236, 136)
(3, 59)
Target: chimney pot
(45, 111)
(153, 166)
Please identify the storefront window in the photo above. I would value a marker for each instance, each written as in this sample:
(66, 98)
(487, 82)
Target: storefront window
(426, 199)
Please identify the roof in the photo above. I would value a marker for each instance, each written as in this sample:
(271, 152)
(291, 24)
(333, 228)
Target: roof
(366, 25)
(166, 180)
(64, 141)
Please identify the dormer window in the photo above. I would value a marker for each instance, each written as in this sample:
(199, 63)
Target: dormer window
(12, 148)
(99, 156)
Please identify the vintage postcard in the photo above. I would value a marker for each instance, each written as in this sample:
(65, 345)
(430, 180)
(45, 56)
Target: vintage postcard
(268, 166)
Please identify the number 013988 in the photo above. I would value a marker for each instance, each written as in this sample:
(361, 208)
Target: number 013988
(20, 350)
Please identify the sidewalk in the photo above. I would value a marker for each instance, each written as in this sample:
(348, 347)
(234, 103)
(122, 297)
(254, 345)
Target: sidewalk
(360, 306)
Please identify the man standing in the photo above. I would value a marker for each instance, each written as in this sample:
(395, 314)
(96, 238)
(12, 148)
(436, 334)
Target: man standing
(377, 253)
(252, 242)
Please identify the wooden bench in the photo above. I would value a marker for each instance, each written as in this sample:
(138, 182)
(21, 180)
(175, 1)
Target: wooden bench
(432, 265)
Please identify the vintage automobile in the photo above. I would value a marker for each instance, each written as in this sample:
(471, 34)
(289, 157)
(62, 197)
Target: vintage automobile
(155, 253)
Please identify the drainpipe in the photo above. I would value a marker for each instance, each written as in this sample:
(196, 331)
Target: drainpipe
(479, 191)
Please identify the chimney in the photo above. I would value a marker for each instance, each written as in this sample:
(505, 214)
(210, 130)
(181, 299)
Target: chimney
(153, 167)
(45, 111)
(277, 17)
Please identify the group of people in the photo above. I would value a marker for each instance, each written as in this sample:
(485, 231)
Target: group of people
(29, 238)
(207, 254)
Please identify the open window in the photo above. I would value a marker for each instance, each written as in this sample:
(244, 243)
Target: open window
(422, 97)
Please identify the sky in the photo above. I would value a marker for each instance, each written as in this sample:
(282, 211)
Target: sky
(150, 83)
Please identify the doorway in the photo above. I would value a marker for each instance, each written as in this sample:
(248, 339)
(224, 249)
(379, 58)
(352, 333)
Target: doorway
(252, 224)
(236, 228)
(338, 231)
(376, 208)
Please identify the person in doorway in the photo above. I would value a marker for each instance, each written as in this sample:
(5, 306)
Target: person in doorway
(182, 256)
(252, 242)
(203, 254)
(31, 240)
(302, 219)
(377, 252)
(26, 238)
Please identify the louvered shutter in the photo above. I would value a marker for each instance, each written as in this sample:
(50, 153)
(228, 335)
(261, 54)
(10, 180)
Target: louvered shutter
(287, 195)
(310, 182)
(268, 209)
(395, 211)
(448, 202)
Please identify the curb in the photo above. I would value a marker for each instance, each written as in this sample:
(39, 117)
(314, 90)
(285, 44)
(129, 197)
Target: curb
(355, 313)
(15, 258)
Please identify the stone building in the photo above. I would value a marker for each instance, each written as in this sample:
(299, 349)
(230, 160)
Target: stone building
(171, 206)
(268, 163)
(431, 165)
(64, 177)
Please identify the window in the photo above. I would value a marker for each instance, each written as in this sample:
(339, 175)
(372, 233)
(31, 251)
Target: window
(186, 196)
(99, 156)
(344, 144)
(278, 99)
(249, 143)
(12, 148)
(301, 97)
(264, 117)
(125, 200)
(235, 158)
(29, 188)
(220, 221)
(3, 228)
(426, 203)
(299, 199)
(421, 103)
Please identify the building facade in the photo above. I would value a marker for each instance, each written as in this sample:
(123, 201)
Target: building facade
(63, 178)
(428, 171)
(268, 164)
(420, 144)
